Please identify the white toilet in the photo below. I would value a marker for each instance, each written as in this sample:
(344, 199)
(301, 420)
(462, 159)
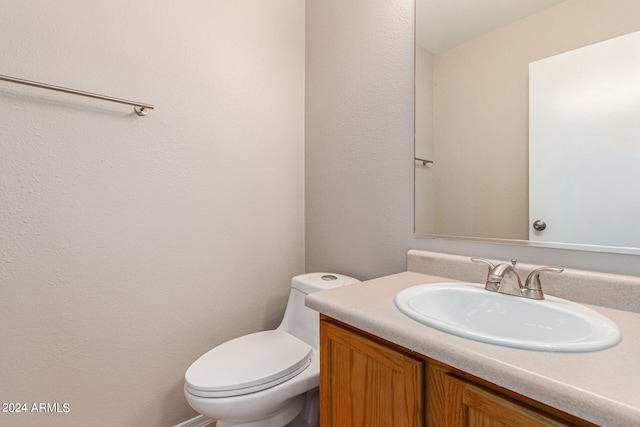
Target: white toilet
(270, 378)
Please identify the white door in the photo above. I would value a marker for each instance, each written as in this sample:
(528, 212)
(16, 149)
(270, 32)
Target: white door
(584, 145)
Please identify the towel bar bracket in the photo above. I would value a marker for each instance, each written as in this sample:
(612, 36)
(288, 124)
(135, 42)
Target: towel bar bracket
(424, 161)
(141, 111)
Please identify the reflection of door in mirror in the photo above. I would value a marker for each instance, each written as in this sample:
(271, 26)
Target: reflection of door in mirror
(584, 144)
(476, 119)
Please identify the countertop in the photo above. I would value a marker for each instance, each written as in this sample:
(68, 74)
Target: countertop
(602, 387)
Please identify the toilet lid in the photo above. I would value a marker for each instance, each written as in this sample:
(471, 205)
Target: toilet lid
(248, 364)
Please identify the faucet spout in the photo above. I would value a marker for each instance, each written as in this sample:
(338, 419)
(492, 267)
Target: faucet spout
(505, 279)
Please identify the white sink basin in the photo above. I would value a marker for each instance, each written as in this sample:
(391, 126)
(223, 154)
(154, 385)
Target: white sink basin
(469, 311)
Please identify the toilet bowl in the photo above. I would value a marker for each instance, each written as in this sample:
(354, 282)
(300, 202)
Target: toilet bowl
(269, 378)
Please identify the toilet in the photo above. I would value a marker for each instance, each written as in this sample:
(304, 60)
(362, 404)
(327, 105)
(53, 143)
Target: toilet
(269, 378)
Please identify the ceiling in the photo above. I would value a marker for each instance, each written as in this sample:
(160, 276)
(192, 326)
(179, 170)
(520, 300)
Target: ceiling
(442, 24)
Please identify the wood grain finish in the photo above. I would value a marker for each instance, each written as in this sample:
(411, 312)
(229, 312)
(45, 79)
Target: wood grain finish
(366, 383)
(469, 405)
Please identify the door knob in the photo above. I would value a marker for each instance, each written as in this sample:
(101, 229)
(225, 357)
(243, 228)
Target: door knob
(539, 225)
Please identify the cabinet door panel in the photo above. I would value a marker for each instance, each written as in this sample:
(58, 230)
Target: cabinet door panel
(471, 406)
(366, 383)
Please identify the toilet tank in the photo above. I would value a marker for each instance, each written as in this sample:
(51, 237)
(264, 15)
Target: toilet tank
(300, 321)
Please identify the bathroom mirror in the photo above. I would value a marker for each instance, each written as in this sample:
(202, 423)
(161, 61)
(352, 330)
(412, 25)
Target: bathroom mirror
(472, 110)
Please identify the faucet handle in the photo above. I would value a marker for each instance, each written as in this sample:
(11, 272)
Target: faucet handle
(533, 286)
(483, 261)
(489, 285)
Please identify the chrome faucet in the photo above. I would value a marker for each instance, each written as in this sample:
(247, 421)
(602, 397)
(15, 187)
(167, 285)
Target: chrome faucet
(504, 278)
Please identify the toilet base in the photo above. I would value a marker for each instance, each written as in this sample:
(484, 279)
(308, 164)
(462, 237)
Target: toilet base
(301, 411)
(310, 415)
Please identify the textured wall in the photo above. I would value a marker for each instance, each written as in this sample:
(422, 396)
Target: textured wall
(359, 135)
(359, 148)
(131, 245)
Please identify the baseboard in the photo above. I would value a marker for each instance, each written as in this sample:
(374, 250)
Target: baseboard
(199, 421)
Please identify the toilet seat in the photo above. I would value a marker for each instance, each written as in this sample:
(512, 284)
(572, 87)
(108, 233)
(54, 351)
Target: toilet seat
(248, 364)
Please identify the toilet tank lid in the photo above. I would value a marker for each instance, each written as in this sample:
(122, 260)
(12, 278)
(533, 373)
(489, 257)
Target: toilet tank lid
(314, 282)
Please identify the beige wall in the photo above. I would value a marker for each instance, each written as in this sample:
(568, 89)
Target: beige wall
(359, 148)
(481, 100)
(131, 245)
(358, 134)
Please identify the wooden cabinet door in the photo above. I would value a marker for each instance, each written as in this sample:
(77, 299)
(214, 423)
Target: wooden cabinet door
(469, 405)
(364, 383)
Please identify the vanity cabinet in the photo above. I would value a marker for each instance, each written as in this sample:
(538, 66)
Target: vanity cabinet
(366, 381)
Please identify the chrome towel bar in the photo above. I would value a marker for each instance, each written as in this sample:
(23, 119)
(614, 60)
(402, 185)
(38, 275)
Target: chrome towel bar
(139, 107)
